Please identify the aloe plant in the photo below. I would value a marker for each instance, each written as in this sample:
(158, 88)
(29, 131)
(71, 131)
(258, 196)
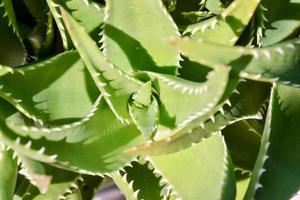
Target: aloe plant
(166, 99)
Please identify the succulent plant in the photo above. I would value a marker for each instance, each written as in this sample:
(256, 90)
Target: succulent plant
(166, 99)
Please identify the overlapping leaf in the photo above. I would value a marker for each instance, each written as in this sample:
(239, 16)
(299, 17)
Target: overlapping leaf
(136, 36)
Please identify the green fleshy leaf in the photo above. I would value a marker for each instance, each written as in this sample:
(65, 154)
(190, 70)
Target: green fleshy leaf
(213, 155)
(35, 172)
(89, 14)
(144, 95)
(242, 182)
(282, 20)
(66, 41)
(227, 27)
(9, 171)
(63, 184)
(116, 86)
(196, 16)
(144, 181)
(215, 6)
(197, 98)
(146, 118)
(131, 43)
(278, 63)
(124, 186)
(277, 167)
(238, 107)
(43, 91)
(100, 138)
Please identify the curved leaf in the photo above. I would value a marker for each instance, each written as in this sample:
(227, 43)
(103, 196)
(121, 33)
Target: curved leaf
(116, 86)
(43, 91)
(283, 20)
(227, 27)
(278, 63)
(100, 140)
(238, 107)
(277, 167)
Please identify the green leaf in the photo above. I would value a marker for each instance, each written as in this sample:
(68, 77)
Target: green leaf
(215, 6)
(63, 184)
(197, 98)
(35, 172)
(146, 118)
(116, 86)
(208, 159)
(283, 20)
(89, 14)
(130, 40)
(9, 172)
(43, 91)
(235, 106)
(242, 181)
(278, 63)
(66, 41)
(124, 186)
(143, 181)
(143, 95)
(227, 27)
(99, 137)
(277, 167)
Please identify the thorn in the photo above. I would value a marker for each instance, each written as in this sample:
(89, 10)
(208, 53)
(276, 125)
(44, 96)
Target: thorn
(258, 185)
(279, 50)
(28, 144)
(228, 102)
(136, 193)
(18, 140)
(291, 46)
(130, 184)
(53, 157)
(15, 155)
(222, 110)
(267, 54)
(236, 91)
(212, 119)
(41, 151)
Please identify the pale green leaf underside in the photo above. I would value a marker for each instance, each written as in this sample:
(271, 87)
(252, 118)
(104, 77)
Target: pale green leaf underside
(283, 20)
